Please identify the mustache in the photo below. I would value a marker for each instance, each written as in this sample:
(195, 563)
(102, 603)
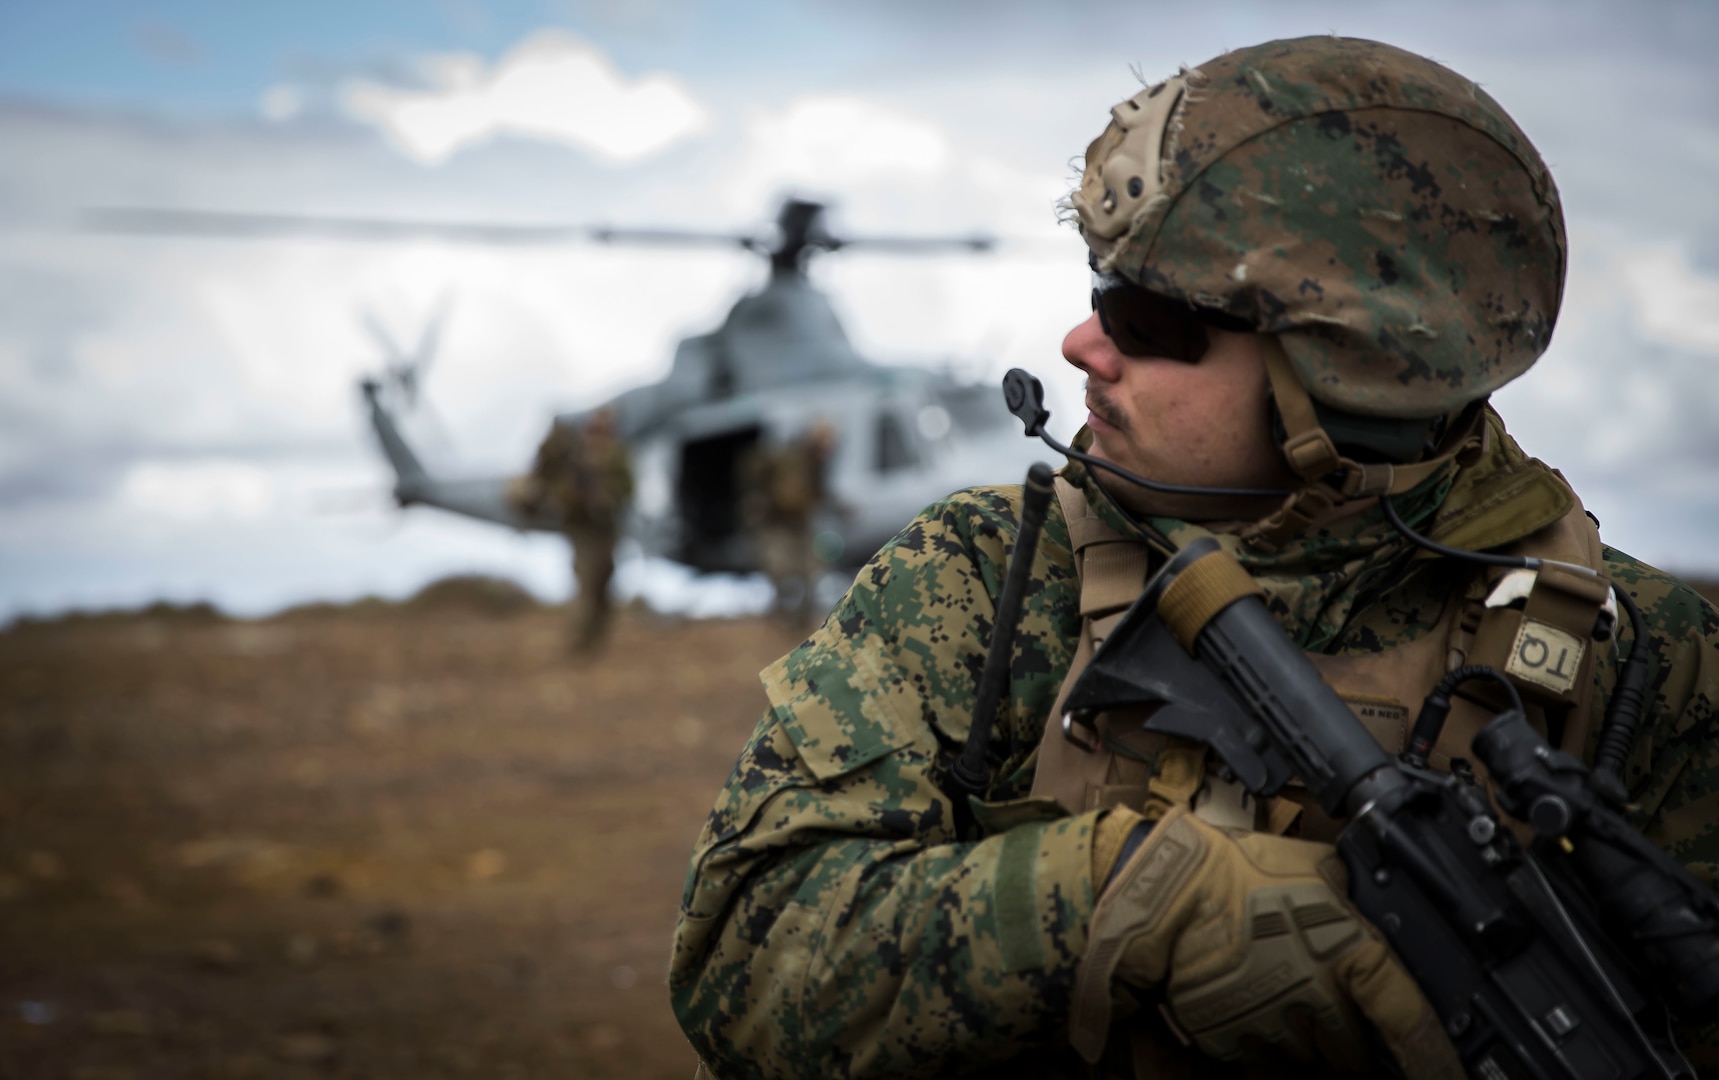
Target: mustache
(1105, 409)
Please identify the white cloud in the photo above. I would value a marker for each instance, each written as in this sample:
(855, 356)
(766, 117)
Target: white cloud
(281, 103)
(197, 491)
(1674, 303)
(552, 86)
(1625, 401)
(835, 144)
(849, 137)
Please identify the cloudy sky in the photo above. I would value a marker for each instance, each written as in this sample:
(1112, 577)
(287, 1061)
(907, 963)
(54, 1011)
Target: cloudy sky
(178, 417)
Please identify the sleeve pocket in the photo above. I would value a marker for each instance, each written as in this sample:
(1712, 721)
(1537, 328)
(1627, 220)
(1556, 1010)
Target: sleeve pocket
(839, 720)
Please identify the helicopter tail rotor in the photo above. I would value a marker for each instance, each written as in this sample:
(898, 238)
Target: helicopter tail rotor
(429, 342)
(402, 374)
(397, 374)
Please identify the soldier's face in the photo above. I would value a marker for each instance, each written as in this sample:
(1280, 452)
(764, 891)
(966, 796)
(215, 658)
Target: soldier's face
(1205, 423)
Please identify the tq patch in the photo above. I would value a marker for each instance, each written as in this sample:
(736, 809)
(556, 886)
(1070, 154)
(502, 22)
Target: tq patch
(1546, 656)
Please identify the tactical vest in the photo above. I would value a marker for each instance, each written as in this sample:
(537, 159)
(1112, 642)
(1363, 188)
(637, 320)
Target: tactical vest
(1542, 631)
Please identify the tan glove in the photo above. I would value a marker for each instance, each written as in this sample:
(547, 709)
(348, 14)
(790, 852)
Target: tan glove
(1259, 955)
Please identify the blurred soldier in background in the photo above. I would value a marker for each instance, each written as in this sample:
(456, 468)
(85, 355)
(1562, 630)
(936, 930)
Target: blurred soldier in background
(785, 487)
(583, 476)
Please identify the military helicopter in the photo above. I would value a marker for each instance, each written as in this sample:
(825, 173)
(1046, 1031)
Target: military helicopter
(779, 362)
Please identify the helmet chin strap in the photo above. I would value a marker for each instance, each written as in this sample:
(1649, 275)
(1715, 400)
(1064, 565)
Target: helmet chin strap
(1330, 479)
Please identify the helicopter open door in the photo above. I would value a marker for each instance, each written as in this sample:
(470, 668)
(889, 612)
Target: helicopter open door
(713, 530)
(894, 446)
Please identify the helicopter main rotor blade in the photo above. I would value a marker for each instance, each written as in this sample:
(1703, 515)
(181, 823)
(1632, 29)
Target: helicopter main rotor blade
(800, 229)
(147, 221)
(604, 234)
(221, 224)
(910, 245)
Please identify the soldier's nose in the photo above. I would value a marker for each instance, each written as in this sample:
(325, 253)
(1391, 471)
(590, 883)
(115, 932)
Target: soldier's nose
(1090, 349)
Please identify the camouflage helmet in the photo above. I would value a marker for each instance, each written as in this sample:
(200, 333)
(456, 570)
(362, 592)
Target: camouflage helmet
(1379, 213)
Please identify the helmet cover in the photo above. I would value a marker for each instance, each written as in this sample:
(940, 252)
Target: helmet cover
(1380, 213)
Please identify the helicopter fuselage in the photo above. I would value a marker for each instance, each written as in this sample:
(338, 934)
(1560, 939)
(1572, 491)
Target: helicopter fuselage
(905, 437)
(779, 363)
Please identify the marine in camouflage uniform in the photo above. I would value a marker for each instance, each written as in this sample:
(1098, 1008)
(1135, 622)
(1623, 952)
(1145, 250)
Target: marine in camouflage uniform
(584, 477)
(785, 486)
(836, 919)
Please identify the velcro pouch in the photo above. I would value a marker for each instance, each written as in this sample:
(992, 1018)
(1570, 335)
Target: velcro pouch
(1547, 647)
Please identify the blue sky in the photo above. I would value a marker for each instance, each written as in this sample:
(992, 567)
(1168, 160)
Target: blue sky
(213, 56)
(176, 416)
(221, 56)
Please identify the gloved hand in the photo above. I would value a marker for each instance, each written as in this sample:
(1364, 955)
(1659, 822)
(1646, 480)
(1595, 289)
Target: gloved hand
(1257, 951)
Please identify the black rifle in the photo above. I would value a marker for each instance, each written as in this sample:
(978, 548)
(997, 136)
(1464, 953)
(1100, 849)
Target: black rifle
(1565, 958)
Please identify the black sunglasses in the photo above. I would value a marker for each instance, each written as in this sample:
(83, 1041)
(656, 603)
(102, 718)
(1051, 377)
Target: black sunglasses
(1144, 323)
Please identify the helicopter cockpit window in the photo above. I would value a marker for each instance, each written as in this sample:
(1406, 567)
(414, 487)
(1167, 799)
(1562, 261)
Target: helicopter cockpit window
(895, 450)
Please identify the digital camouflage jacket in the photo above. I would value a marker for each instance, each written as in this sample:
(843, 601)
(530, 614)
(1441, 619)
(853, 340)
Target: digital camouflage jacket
(833, 924)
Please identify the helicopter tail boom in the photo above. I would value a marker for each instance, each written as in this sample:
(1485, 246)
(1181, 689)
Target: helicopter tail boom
(409, 473)
(485, 498)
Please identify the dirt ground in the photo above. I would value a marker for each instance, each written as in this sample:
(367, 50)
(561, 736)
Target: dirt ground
(368, 842)
(379, 841)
